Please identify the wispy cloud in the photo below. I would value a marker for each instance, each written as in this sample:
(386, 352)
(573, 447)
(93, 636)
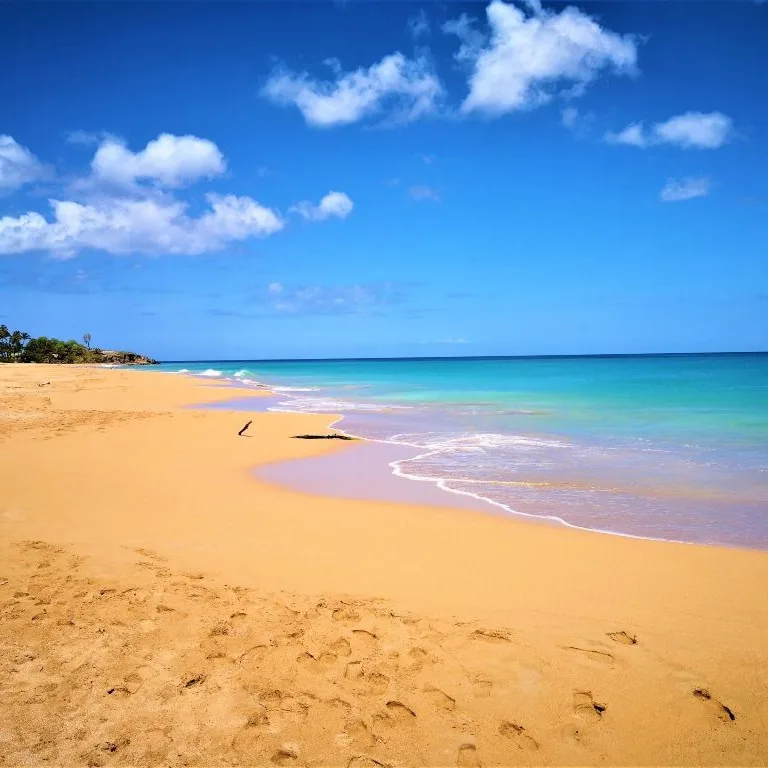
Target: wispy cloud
(569, 116)
(427, 158)
(88, 138)
(357, 299)
(533, 55)
(18, 166)
(406, 88)
(421, 192)
(418, 25)
(691, 130)
(677, 190)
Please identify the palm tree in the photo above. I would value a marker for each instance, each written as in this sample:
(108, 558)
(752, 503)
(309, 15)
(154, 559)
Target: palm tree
(5, 334)
(87, 339)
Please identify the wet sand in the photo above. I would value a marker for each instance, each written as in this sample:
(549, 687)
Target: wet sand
(160, 604)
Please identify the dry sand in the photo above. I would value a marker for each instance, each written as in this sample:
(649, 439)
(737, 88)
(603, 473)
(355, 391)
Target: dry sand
(161, 606)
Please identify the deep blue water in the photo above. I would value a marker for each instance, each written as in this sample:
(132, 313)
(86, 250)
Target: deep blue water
(664, 446)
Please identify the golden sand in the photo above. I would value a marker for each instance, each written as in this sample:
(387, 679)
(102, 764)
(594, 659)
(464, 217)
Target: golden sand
(162, 606)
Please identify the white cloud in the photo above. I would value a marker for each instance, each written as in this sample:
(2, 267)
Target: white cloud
(633, 136)
(18, 166)
(528, 59)
(423, 192)
(168, 160)
(408, 85)
(685, 189)
(275, 288)
(418, 25)
(111, 211)
(126, 225)
(87, 138)
(333, 204)
(691, 130)
(696, 129)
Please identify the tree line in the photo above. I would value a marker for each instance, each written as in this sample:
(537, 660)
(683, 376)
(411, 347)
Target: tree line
(20, 347)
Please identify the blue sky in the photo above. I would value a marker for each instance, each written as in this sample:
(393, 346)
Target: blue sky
(246, 180)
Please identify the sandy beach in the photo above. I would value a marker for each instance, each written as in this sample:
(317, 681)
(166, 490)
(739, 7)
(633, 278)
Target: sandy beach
(160, 605)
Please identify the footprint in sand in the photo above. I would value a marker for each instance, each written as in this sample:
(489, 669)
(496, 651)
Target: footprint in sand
(717, 707)
(150, 554)
(345, 613)
(365, 762)
(468, 757)
(517, 735)
(399, 712)
(308, 661)
(374, 683)
(253, 655)
(137, 678)
(341, 647)
(491, 636)
(482, 686)
(363, 641)
(585, 706)
(285, 756)
(439, 699)
(623, 637)
(359, 735)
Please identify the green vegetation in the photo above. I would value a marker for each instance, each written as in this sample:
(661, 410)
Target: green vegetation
(19, 347)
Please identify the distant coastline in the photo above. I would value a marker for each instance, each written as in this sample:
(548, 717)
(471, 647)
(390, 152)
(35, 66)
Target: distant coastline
(20, 347)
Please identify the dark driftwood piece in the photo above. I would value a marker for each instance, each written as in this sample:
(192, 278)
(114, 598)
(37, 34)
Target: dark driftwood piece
(244, 428)
(323, 437)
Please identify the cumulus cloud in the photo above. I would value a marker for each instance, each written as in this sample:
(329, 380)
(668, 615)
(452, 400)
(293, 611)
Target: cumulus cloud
(532, 55)
(409, 87)
(168, 160)
(334, 204)
(685, 189)
(127, 225)
(18, 166)
(691, 130)
(112, 211)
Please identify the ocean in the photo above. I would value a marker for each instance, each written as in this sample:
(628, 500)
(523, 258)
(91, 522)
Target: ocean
(658, 446)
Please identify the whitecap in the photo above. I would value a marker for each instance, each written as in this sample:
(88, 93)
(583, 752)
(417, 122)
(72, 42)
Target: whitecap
(209, 372)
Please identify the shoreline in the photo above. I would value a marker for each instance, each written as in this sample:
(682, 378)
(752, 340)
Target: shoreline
(231, 617)
(440, 482)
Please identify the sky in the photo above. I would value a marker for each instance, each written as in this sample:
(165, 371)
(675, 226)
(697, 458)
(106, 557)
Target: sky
(198, 180)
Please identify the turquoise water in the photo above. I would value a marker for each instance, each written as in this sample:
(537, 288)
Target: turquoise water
(672, 447)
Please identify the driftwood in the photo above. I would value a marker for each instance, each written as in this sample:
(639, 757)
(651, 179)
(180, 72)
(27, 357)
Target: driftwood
(323, 437)
(244, 428)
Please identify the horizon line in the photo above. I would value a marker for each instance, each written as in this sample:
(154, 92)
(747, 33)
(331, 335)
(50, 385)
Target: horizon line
(466, 357)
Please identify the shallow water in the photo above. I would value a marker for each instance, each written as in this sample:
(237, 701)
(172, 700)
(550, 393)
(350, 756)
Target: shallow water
(672, 447)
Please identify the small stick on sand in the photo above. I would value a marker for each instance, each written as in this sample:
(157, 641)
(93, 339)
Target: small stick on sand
(240, 433)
